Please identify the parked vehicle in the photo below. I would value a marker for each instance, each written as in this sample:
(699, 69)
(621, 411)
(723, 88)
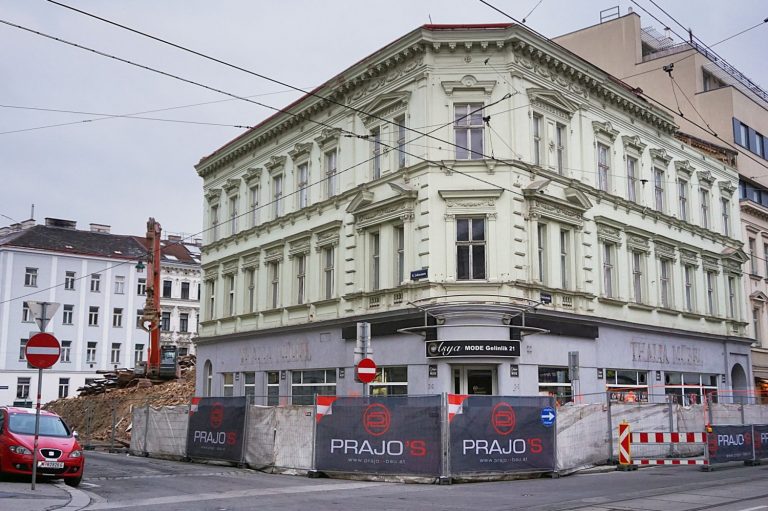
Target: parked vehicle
(59, 452)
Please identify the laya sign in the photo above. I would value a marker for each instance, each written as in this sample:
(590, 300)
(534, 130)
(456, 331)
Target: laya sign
(448, 349)
(382, 435)
(216, 428)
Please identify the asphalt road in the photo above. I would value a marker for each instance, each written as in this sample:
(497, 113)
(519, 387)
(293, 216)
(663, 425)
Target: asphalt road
(121, 482)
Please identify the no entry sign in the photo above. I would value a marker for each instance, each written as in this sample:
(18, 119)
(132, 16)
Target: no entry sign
(366, 370)
(42, 351)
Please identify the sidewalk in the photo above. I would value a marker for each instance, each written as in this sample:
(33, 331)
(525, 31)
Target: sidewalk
(17, 495)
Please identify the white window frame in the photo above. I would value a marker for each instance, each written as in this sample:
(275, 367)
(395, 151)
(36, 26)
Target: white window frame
(301, 278)
(638, 264)
(214, 222)
(725, 204)
(541, 251)
(277, 195)
(233, 214)
(609, 269)
(273, 268)
(710, 277)
(375, 247)
(117, 317)
(231, 295)
(666, 297)
(330, 166)
(114, 354)
(329, 265)
(138, 353)
(91, 351)
(399, 235)
(30, 277)
(401, 141)
(141, 287)
(255, 212)
(119, 284)
(93, 315)
(732, 298)
(538, 139)
(689, 279)
(752, 244)
(603, 167)
(471, 243)
(69, 280)
(706, 221)
(682, 191)
(466, 125)
(659, 175)
(95, 283)
(302, 184)
(66, 352)
(68, 314)
(632, 179)
(376, 156)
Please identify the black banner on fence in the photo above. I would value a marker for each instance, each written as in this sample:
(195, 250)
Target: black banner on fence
(761, 441)
(730, 443)
(501, 434)
(216, 428)
(381, 435)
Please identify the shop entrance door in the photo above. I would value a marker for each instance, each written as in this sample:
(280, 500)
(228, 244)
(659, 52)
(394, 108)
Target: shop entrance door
(470, 379)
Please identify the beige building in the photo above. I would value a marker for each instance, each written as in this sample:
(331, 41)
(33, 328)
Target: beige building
(713, 96)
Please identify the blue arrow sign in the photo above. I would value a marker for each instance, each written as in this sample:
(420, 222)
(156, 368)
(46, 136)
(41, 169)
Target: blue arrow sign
(548, 416)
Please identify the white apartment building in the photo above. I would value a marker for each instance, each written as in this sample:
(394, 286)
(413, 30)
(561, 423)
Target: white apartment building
(92, 274)
(490, 203)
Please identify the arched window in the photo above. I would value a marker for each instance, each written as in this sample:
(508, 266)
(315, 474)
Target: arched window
(207, 379)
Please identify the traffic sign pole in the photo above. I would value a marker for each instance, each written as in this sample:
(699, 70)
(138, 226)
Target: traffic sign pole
(42, 324)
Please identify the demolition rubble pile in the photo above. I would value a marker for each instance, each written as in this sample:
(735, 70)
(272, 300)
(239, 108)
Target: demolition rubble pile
(93, 416)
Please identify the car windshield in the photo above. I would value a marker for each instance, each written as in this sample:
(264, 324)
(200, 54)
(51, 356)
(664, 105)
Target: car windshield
(24, 424)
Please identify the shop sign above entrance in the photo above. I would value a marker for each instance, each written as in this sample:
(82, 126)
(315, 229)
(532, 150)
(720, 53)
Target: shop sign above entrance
(472, 348)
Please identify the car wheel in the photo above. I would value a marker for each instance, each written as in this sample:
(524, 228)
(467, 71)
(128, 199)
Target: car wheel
(74, 482)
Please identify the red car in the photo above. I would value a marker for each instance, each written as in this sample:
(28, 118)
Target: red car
(59, 453)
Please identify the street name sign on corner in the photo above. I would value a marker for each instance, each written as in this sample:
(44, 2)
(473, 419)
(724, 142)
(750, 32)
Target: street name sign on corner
(42, 350)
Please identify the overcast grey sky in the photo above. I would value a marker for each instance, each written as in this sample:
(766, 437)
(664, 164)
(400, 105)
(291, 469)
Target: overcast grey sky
(120, 171)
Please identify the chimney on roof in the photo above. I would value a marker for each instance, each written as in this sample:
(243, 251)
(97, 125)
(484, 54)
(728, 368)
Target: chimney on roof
(102, 228)
(174, 237)
(26, 224)
(61, 223)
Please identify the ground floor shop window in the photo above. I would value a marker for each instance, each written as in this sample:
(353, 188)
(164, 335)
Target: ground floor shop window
(390, 381)
(249, 384)
(305, 384)
(273, 388)
(688, 388)
(627, 385)
(228, 384)
(554, 381)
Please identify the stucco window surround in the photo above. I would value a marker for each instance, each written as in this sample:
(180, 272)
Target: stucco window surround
(232, 191)
(611, 268)
(660, 161)
(758, 301)
(276, 181)
(634, 148)
(299, 247)
(684, 185)
(381, 217)
(550, 115)
(705, 180)
(249, 271)
(727, 205)
(210, 279)
(383, 114)
(466, 96)
(479, 203)
(557, 214)
(229, 274)
(330, 155)
(666, 259)
(273, 258)
(638, 251)
(605, 156)
(213, 214)
(327, 241)
(302, 173)
(690, 261)
(252, 179)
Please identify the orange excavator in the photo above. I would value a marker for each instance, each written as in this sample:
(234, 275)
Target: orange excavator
(162, 361)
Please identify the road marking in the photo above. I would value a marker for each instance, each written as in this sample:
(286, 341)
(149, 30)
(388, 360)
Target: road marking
(754, 508)
(89, 485)
(235, 494)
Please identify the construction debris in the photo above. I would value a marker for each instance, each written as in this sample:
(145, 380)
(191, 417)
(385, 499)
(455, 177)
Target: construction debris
(124, 378)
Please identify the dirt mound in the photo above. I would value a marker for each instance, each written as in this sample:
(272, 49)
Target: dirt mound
(93, 416)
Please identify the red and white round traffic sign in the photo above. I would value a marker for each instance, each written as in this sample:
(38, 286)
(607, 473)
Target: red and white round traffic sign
(42, 351)
(366, 370)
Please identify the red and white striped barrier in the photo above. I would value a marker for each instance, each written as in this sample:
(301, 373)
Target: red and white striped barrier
(627, 438)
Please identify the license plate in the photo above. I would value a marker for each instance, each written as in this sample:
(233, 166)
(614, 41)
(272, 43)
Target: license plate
(50, 464)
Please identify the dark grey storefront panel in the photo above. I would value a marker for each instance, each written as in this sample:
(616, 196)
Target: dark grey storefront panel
(730, 443)
(380, 435)
(761, 441)
(503, 434)
(216, 428)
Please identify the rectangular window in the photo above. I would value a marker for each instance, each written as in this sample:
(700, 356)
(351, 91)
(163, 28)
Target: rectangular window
(565, 263)
(249, 384)
(90, 352)
(375, 138)
(138, 353)
(95, 283)
(658, 189)
(68, 313)
(711, 290)
(231, 295)
(167, 285)
(250, 278)
(756, 323)
(390, 381)
(277, 196)
(328, 272)
(609, 250)
(688, 276)
(627, 385)
(554, 381)
(22, 387)
(637, 276)
(22, 349)
(302, 182)
(117, 317)
(541, 239)
(765, 258)
(119, 285)
(538, 121)
(273, 388)
(603, 167)
(211, 299)
(63, 387)
(114, 356)
(184, 322)
(743, 135)
(255, 207)
(375, 261)
(468, 129)
(139, 317)
(141, 287)
(753, 256)
(632, 179)
(305, 384)
(759, 145)
(69, 280)
(93, 316)
(301, 274)
(228, 384)
(233, 214)
(682, 190)
(731, 297)
(399, 255)
(66, 352)
(215, 223)
(165, 321)
(688, 388)
(330, 173)
(726, 206)
(185, 290)
(274, 279)
(665, 286)
(470, 248)
(26, 313)
(30, 277)
(400, 143)
(704, 198)
(560, 137)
